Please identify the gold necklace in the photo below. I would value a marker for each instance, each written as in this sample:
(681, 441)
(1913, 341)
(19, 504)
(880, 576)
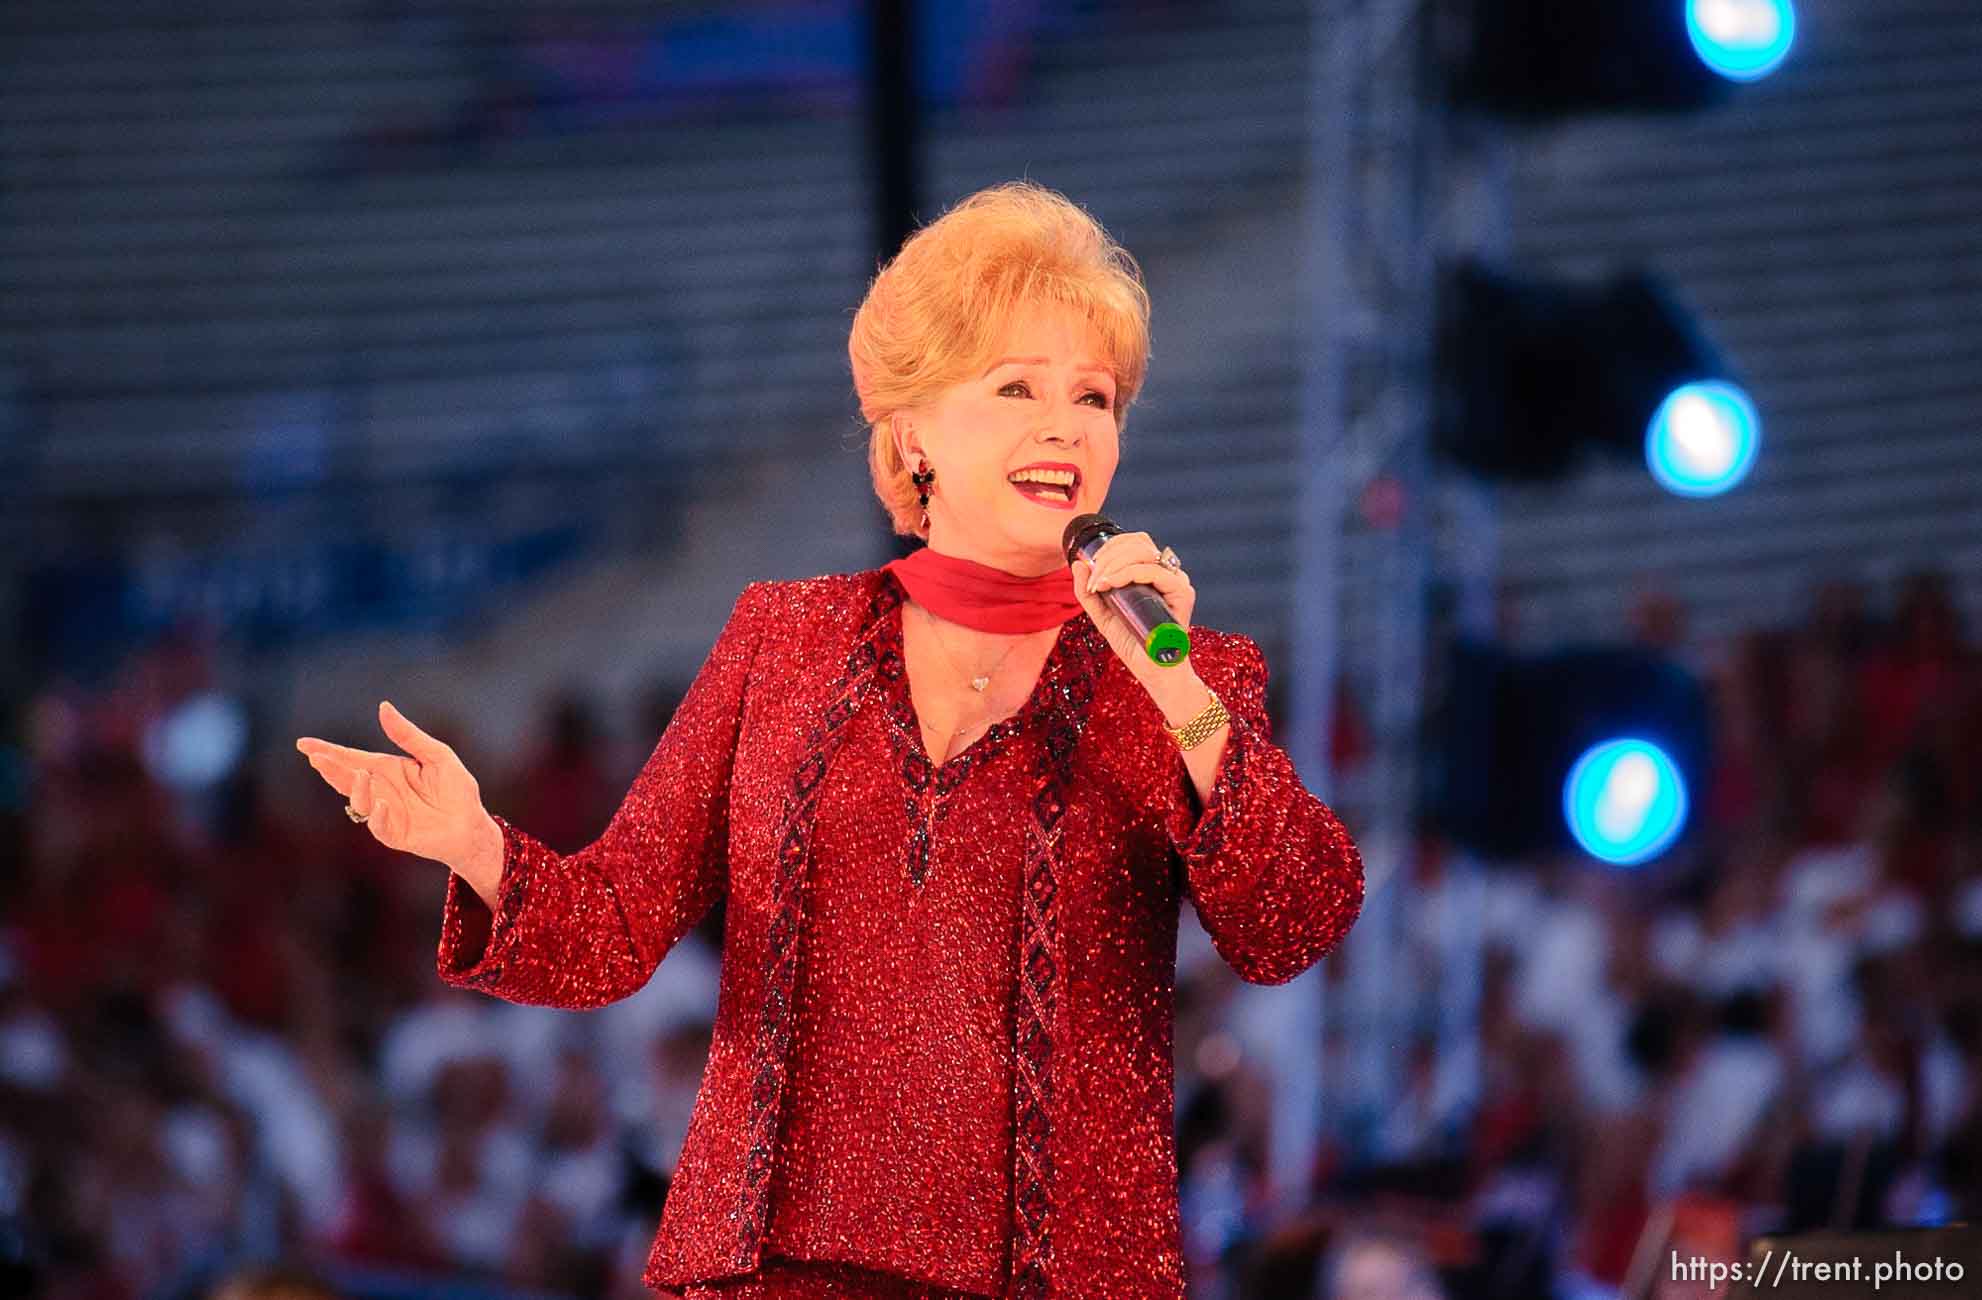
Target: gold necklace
(977, 683)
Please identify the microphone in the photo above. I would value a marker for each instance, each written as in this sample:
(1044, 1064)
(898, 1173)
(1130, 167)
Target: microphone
(1139, 603)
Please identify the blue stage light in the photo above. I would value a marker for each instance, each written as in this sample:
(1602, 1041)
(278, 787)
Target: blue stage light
(1625, 801)
(1703, 439)
(1742, 40)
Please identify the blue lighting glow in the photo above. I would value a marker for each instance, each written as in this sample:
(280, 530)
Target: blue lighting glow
(1742, 40)
(1703, 439)
(1625, 801)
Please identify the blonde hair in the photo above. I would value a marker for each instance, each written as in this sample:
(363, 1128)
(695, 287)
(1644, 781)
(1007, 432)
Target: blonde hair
(936, 313)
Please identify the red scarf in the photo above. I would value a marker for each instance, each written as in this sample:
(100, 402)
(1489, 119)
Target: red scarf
(990, 600)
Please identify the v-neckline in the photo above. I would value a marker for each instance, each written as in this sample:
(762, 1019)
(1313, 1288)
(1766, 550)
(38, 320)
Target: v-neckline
(901, 699)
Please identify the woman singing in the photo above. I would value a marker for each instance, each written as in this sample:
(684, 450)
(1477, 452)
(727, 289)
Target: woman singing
(952, 805)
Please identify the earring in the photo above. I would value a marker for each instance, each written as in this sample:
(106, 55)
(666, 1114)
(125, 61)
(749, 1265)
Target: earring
(922, 479)
(922, 476)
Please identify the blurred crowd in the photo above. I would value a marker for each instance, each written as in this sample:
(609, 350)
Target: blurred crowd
(222, 1037)
(1776, 1027)
(223, 1041)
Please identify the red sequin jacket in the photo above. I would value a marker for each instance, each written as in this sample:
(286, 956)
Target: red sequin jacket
(1102, 816)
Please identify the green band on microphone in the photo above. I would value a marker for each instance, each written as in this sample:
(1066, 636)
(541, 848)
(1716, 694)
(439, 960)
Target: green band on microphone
(1168, 645)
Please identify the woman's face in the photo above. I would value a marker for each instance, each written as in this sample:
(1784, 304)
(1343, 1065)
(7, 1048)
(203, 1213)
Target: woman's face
(1048, 399)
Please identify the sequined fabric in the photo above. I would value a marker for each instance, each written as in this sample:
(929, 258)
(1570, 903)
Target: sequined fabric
(784, 1279)
(942, 1046)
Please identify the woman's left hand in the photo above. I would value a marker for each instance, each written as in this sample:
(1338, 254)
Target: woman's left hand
(1126, 558)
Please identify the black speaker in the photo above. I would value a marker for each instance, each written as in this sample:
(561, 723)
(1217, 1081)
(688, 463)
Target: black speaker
(1534, 372)
(1544, 58)
(1509, 727)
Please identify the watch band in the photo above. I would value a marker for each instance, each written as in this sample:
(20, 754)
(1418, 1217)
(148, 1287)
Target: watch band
(1199, 729)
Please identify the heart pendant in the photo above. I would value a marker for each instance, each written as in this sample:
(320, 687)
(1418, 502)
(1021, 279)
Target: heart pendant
(979, 683)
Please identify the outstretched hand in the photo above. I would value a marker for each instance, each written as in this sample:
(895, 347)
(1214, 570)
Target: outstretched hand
(424, 802)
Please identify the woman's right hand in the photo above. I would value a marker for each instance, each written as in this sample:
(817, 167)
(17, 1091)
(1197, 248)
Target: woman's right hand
(427, 804)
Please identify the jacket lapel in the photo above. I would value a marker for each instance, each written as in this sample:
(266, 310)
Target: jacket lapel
(769, 1068)
(1039, 1024)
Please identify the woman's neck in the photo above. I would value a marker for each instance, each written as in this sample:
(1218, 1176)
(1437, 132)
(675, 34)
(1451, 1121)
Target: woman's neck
(1019, 565)
(960, 634)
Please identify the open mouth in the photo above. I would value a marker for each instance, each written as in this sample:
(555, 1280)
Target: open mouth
(1057, 495)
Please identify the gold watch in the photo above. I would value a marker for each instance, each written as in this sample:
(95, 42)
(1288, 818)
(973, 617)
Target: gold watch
(1199, 729)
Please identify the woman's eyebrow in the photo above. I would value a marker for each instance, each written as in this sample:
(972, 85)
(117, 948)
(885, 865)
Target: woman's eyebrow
(1040, 361)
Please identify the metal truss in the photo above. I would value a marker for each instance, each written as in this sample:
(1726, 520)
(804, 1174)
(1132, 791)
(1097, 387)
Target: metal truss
(1394, 183)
